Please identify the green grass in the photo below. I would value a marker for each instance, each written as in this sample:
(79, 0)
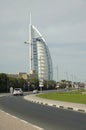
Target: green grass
(76, 97)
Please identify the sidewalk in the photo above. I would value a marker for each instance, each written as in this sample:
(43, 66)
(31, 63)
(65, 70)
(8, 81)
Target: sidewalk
(4, 94)
(9, 122)
(58, 104)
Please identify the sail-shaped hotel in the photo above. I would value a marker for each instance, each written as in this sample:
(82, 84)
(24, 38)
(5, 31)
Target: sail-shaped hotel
(40, 58)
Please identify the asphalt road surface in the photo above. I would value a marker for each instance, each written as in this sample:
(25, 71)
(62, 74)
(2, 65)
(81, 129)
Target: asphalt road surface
(46, 117)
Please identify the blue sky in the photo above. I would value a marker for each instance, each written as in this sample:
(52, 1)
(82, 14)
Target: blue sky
(61, 22)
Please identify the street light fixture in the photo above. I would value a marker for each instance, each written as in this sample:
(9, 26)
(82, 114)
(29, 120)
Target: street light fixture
(26, 42)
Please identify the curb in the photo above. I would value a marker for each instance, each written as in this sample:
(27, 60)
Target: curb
(57, 106)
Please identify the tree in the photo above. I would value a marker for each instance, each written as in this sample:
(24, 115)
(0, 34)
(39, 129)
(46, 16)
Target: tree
(62, 84)
(22, 83)
(33, 83)
(3, 82)
(13, 82)
(49, 84)
(18, 83)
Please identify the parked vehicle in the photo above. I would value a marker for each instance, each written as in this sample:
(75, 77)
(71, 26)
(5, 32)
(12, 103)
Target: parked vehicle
(18, 91)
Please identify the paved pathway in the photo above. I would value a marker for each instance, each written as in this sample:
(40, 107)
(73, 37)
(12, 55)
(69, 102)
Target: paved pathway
(9, 122)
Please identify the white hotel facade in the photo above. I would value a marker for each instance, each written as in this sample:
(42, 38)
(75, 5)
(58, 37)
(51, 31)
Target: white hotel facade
(40, 58)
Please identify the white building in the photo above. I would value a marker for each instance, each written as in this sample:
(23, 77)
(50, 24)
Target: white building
(40, 59)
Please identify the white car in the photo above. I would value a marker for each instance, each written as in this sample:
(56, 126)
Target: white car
(18, 91)
(35, 91)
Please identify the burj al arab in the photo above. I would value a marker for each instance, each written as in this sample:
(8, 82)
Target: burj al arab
(40, 58)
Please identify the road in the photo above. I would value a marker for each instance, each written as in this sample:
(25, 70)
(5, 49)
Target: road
(46, 117)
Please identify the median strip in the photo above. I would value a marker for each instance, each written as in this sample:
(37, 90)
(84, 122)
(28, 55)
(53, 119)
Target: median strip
(59, 104)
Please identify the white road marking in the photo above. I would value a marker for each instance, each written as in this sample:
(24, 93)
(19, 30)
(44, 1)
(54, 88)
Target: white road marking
(21, 120)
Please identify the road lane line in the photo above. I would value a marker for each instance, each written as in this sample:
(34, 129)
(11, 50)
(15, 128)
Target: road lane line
(37, 127)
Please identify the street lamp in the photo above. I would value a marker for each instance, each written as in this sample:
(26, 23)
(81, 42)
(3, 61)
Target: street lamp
(26, 42)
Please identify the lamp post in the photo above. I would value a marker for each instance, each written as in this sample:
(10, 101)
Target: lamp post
(57, 73)
(30, 53)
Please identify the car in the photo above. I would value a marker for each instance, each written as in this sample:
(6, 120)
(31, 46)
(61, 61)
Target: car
(35, 91)
(17, 91)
